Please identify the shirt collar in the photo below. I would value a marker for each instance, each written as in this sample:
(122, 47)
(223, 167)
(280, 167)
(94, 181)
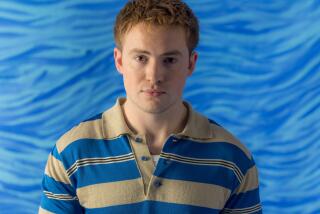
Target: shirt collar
(114, 123)
(197, 126)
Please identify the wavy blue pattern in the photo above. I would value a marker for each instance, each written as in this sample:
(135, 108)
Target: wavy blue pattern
(258, 75)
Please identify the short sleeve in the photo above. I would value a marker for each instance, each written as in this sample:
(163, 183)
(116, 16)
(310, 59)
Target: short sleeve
(246, 198)
(59, 195)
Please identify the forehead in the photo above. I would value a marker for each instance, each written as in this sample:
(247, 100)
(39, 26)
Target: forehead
(155, 38)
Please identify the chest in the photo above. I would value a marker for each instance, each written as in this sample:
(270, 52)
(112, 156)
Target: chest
(131, 177)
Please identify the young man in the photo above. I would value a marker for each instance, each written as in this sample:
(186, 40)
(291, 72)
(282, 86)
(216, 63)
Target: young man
(151, 152)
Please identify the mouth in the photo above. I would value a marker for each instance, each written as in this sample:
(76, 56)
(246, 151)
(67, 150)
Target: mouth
(153, 93)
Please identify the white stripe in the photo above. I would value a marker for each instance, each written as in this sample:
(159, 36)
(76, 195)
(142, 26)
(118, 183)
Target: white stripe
(94, 161)
(248, 210)
(60, 196)
(213, 162)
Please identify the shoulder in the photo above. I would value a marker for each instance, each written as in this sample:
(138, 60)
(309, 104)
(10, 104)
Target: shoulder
(87, 129)
(221, 134)
(202, 129)
(206, 130)
(230, 148)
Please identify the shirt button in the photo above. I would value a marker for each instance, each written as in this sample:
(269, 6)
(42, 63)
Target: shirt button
(145, 158)
(138, 139)
(167, 162)
(157, 183)
(174, 140)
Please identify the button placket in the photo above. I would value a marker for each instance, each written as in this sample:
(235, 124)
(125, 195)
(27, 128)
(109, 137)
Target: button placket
(143, 158)
(156, 182)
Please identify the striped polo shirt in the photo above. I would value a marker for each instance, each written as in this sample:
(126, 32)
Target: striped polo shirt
(101, 166)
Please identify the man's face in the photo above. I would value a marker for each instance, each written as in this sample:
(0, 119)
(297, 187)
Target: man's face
(155, 63)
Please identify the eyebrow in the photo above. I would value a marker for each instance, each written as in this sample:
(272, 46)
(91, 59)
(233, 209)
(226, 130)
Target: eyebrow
(169, 53)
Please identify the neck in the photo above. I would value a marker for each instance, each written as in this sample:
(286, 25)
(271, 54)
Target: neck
(156, 126)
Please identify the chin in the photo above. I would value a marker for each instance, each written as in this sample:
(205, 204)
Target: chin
(152, 109)
(151, 105)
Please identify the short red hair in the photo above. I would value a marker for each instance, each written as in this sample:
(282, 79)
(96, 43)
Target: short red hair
(157, 12)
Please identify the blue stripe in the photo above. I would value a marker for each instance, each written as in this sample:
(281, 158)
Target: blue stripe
(94, 148)
(244, 200)
(102, 173)
(154, 207)
(214, 150)
(163, 207)
(139, 208)
(61, 206)
(95, 117)
(57, 187)
(197, 173)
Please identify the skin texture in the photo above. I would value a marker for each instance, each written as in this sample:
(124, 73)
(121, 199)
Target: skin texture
(155, 63)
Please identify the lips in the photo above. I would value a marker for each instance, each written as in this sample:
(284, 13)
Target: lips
(153, 92)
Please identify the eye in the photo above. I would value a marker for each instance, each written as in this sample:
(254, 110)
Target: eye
(170, 60)
(141, 59)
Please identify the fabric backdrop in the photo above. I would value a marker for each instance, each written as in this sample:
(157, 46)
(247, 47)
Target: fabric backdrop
(258, 75)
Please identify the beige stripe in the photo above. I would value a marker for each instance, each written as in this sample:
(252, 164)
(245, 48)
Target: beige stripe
(55, 169)
(250, 181)
(112, 193)
(43, 211)
(89, 129)
(191, 193)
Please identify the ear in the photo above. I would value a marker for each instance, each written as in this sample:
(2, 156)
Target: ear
(192, 62)
(117, 55)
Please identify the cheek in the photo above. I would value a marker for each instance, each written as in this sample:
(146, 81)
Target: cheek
(178, 82)
(131, 79)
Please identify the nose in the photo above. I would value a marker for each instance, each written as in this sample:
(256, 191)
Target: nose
(154, 73)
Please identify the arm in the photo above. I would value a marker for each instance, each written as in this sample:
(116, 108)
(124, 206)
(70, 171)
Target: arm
(59, 195)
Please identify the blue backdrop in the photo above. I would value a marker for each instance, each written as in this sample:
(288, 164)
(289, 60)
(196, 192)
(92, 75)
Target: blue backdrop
(258, 75)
